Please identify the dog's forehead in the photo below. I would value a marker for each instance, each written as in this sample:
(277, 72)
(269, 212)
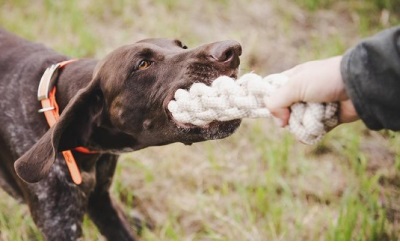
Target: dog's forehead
(163, 43)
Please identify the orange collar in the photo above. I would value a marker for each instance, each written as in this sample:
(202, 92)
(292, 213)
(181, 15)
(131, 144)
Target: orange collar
(47, 97)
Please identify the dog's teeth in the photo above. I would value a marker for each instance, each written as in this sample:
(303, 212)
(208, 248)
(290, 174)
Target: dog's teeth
(181, 94)
(173, 107)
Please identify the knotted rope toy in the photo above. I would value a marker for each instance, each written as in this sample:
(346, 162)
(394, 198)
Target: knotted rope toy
(227, 99)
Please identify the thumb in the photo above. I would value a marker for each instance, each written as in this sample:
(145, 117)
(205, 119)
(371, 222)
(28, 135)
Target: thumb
(280, 101)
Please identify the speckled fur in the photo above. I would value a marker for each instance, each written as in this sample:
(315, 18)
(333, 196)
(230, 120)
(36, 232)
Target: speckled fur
(109, 106)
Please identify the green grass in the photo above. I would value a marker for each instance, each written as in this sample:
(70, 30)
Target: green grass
(259, 184)
(16, 224)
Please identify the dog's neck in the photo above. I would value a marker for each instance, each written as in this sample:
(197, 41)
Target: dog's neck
(74, 76)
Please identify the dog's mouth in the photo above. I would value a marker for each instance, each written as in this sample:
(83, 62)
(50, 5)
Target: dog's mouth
(213, 130)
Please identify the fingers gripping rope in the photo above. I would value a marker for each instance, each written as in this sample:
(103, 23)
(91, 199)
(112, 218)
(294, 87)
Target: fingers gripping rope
(227, 99)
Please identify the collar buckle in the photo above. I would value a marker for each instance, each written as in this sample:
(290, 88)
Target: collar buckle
(47, 82)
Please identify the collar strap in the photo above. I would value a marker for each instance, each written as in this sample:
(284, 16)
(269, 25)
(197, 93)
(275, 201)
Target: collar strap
(47, 97)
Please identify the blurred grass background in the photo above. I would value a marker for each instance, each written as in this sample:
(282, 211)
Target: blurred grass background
(259, 184)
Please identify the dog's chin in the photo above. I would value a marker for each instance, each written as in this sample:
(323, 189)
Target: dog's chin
(213, 131)
(218, 130)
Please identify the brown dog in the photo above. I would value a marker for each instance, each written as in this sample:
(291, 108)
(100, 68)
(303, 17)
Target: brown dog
(110, 106)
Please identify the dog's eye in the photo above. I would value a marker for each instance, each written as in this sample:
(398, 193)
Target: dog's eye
(144, 64)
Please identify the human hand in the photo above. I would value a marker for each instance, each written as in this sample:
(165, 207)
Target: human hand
(314, 81)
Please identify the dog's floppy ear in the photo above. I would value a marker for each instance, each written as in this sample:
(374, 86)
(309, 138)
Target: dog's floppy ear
(72, 125)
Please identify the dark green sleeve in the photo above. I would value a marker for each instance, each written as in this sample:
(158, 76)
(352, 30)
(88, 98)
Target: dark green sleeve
(371, 73)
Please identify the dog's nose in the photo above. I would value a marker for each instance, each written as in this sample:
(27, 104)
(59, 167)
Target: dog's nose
(225, 51)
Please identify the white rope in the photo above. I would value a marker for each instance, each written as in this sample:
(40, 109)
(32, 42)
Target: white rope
(227, 99)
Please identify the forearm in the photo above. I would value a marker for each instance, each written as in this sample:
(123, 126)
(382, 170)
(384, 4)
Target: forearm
(371, 73)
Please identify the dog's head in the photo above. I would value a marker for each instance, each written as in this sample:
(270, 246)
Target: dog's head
(124, 107)
(139, 80)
